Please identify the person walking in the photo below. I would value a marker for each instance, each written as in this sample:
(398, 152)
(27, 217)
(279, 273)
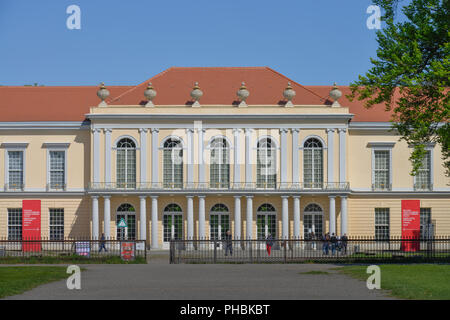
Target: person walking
(269, 243)
(344, 240)
(333, 241)
(326, 244)
(228, 243)
(102, 243)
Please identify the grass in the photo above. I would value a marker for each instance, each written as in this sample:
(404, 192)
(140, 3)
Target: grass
(314, 272)
(71, 259)
(413, 281)
(16, 280)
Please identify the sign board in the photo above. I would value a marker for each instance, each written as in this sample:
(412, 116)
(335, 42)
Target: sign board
(83, 248)
(122, 223)
(31, 225)
(410, 224)
(140, 246)
(127, 250)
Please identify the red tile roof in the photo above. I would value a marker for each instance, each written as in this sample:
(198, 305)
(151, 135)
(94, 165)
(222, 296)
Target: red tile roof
(173, 86)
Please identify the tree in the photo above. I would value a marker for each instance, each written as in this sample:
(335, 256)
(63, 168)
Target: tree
(411, 74)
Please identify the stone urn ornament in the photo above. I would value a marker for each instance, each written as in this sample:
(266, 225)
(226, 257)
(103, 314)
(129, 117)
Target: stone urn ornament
(243, 94)
(196, 94)
(335, 94)
(150, 94)
(289, 94)
(103, 94)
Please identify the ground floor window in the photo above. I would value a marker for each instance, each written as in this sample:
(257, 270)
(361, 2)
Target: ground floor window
(172, 222)
(381, 223)
(14, 223)
(426, 226)
(128, 213)
(313, 221)
(219, 221)
(266, 221)
(56, 223)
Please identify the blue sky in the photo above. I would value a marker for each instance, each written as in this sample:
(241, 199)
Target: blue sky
(126, 42)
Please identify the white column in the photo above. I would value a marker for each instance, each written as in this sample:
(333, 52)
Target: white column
(297, 217)
(342, 156)
(283, 157)
(96, 156)
(201, 163)
(248, 158)
(330, 155)
(249, 228)
(237, 217)
(94, 217)
(190, 158)
(155, 162)
(343, 215)
(143, 159)
(284, 217)
(143, 218)
(332, 214)
(155, 244)
(107, 216)
(108, 156)
(295, 163)
(201, 217)
(190, 217)
(237, 162)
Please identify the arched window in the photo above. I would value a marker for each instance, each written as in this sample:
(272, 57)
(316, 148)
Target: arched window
(313, 163)
(266, 175)
(219, 221)
(266, 221)
(313, 220)
(173, 163)
(172, 222)
(126, 212)
(126, 163)
(220, 164)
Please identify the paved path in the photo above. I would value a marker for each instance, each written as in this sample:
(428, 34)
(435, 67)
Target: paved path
(160, 280)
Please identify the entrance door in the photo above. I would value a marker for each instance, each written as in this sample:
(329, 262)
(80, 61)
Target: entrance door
(266, 221)
(219, 221)
(172, 224)
(127, 212)
(313, 220)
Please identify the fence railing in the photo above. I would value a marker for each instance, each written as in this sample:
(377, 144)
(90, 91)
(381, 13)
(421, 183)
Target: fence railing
(354, 250)
(44, 247)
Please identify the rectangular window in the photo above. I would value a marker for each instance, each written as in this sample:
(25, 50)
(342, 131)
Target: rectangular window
(426, 227)
(57, 169)
(381, 169)
(14, 223)
(56, 224)
(15, 169)
(382, 223)
(423, 177)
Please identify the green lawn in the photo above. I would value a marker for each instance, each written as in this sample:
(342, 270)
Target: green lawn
(15, 280)
(414, 281)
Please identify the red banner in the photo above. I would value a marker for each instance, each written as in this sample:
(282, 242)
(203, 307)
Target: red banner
(410, 224)
(31, 225)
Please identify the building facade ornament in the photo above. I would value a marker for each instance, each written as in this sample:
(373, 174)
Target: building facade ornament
(150, 94)
(289, 94)
(196, 94)
(243, 94)
(335, 94)
(103, 94)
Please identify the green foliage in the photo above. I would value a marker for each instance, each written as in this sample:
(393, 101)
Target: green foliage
(411, 74)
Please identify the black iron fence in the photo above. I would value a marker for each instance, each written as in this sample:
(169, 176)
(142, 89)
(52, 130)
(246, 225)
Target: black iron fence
(354, 250)
(73, 247)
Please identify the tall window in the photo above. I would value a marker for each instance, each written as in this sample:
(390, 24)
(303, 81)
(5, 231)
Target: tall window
(220, 165)
(172, 222)
(57, 169)
(173, 163)
(382, 223)
(426, 227)
(423, 177)
(313, 163)
(56, 223)
(15, 169)
(219, 221)
(313, 220)
(266, 164)
(126, 163)
(266, 221)
(14, 223)
(381, 169)
(127, 212)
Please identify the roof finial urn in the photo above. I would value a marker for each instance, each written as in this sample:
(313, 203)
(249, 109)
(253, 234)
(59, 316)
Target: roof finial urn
(103, 94)
(335, 94)
(196, 94)
(243, 94)
(289, 94)
(150, 94)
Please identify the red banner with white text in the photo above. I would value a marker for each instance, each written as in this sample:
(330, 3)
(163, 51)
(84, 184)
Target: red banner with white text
(410, 224)
(31, 225)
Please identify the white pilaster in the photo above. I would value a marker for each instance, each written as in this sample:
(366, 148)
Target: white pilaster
(283, 157)
(249, 228)
(201, 163)
(343, 215)
(190, 158)
(108, 149)
(190, 217)
(143, 161)
(94, 217)
(248, 157)
(296, 217)
(342, 156)
(332, 215)
(107, 216)
(155, 244)
(284, 217)
(295, 163)
(201, 217)
(155, 162)
(96, 155)
(143, 217)
(237, 217)
(330, 155)
(237, 162)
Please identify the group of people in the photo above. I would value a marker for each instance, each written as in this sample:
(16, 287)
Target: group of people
(334, 243)
(229, 243)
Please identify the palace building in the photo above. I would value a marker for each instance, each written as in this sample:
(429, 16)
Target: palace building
(194, 152)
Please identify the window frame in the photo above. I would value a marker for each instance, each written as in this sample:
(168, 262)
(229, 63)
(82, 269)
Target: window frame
(50, 225)
(382, 146)
(313, 184)
(430, 150)
(15, 146)
(382, 225)
(16, 225)
(221, 166)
